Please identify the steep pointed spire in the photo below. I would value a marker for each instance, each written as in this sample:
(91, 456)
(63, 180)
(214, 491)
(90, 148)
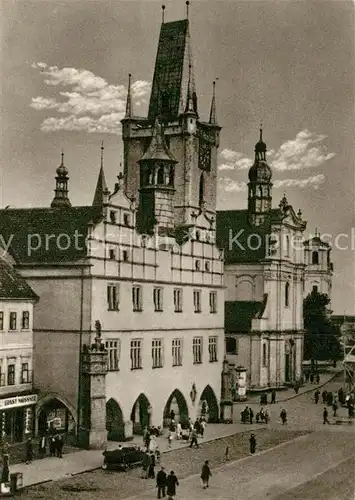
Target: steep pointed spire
(101, 187)
(158, 149)
(61, 199)
(190, 108)
(129, 99)
(213, 113)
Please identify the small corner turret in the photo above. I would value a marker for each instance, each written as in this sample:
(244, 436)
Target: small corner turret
(61, 199)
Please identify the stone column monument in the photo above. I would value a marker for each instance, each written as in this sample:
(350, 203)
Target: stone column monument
(92, 430)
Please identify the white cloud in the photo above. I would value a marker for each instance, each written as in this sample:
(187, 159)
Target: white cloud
(314, 181)
(305, 151)
(88, 101)
(230, 185)
(232, 160)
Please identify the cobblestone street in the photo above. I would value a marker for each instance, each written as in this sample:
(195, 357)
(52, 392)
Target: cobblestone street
(185, 462)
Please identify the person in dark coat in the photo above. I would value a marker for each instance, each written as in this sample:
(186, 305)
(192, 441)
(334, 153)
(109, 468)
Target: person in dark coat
(194, 439)
(317, 379)
(52, 446)
(251, 415)
(205, 474)
(273, 396)
(151, 472)
(306, 375)
(311, 378)
(283, 416)
(325, 416)
(335, 407)
(316, 396)
(252, 441)
(145, 465)
(161, 482)
(329, 398)
(341, 396)
(29, 451)
(171, 484)
(324, 396)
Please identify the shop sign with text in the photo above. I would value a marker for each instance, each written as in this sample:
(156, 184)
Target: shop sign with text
(30, 399)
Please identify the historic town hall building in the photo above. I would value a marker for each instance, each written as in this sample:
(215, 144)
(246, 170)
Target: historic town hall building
(138, 269)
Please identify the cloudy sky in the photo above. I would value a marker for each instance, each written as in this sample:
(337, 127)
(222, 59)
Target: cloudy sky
(287, 64)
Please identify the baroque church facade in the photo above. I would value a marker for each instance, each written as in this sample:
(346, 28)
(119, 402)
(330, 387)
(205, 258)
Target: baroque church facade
(264, 279)
(139, 269)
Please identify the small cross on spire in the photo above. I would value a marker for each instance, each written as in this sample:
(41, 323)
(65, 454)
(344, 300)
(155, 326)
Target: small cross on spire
(187, 9)
(162, 14)
(261, 131)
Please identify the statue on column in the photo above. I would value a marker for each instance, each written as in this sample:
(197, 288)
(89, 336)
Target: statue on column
(98, 334)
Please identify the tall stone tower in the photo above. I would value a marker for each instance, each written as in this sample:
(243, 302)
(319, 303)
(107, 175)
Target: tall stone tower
(259, 186)
(319, 268)
(191, 142)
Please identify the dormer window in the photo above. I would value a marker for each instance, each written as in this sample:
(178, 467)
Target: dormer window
(125, 255)
(126, 219)
(113, 217)
(197, 265)
(112, 255)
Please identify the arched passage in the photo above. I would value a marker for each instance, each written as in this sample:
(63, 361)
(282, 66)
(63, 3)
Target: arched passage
(176, 404)
(53, 415)
(141, 414)
(114, 421)
(208, 405)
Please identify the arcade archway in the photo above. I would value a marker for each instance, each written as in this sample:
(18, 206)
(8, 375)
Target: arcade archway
(208, 405)
(176, 406)
(54, 416)
(114, 421)
(141, 414)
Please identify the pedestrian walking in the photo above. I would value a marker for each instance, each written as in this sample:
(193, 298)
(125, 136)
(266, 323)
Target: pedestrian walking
(151, 472)
(145, 465)
(157, 455)
(59, 446)
(170, 438)
(171, 484)
(205, 474)
(317, 379)
(273, 396)
(311, 378)
(203, 426)
(324, 397)
(251, 415)
(325, 416)
(283, 416)
(226, 453)
(29, 451)
(335, 407)
(161, 482)
(194, 439)
(52, 446)
(316, 396)
(252, 442)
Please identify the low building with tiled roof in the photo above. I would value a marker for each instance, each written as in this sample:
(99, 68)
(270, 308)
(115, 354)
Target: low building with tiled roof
(17, 398)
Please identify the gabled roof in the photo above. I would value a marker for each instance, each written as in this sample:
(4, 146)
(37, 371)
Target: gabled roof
(238, 315)
(171, 69)
(43, 234)
(12, 285)
(158, 149)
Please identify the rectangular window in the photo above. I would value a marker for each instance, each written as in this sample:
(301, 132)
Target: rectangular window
(177, 352)
(136, 354)
(212, 349)
(137, 298)
(158, 299)
(264, 355)
(157, 353)
(113, 217)
(2, 376)
(113, 297)
(25, 374)
(231, 345)
(178, 300)
(213, 302)
(1, 320)
(25, 320)
(112, 255)
(125, 255)
(13, 320)
(197, 301)
(113, 347)
(10, 374)
(197, 350)
(126, 219)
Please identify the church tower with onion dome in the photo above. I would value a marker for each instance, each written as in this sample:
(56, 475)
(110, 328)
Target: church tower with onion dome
(61, 199)
(259, 186)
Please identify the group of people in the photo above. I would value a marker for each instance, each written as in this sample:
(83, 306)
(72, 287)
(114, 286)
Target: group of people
(55, 442)
(166, 483)
(333, 400)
